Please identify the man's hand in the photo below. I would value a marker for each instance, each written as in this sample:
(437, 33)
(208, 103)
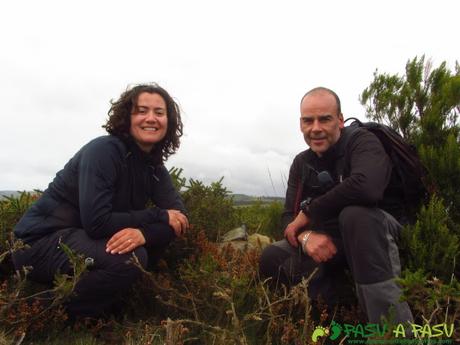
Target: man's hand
(178, 221)
(319, 246)
(124, 241)
(290, 233)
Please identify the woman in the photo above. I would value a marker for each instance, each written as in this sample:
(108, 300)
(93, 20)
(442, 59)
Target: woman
(97, 204)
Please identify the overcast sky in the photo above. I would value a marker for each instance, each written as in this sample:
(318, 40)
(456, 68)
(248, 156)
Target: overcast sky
(237, 68)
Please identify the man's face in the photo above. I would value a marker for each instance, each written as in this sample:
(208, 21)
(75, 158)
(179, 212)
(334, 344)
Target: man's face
(320, 122)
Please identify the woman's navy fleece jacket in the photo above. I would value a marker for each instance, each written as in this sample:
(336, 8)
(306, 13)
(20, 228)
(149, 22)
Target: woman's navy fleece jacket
(103, 189)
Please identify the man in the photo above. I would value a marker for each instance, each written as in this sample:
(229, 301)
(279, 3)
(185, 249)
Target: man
(341, 180)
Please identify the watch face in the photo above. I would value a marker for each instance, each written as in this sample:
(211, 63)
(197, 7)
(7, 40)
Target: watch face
(303, 205)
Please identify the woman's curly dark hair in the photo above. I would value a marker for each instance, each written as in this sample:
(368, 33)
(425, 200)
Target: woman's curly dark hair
(119, 120)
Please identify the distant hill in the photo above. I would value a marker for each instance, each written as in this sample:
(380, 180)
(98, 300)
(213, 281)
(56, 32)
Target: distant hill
(4, 193)
(243, 199)
(238, 199)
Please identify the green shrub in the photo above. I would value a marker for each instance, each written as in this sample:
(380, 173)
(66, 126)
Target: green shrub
(178, 180)
(209, 208)
(443, 164)
(11, 210)
(430, 245)
(262, 218)
(431, 298)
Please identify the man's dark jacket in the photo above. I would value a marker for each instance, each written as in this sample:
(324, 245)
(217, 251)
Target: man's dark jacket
(366, 173)
(103, 189)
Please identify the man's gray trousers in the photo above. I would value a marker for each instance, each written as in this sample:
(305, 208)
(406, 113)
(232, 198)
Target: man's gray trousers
(366, 244)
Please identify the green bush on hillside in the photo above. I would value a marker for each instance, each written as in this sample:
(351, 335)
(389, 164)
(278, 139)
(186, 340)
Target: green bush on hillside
(429, 245)
(262, 218)
(210, 208)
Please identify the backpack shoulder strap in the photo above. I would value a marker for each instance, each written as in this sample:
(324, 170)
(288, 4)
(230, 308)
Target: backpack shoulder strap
(345, 136)
(304, 168)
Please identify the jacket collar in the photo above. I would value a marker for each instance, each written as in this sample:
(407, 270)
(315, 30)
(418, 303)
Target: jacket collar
(152, 158)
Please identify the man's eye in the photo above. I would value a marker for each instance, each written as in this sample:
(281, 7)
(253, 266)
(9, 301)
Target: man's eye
(306, 120)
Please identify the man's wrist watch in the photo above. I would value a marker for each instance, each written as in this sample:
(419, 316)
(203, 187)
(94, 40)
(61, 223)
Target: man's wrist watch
(304, 240)
(305, 206)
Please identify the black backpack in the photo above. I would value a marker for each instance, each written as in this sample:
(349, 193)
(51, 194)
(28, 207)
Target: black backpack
(408, 172)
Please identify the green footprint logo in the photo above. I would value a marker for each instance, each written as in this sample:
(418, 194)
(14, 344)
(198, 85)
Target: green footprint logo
(319, 331)
(336, 330)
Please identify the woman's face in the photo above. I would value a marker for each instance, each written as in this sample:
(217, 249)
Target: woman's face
(149, 120)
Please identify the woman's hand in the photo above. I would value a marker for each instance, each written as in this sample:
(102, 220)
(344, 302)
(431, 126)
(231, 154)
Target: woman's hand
(124, 241)
(178, 221)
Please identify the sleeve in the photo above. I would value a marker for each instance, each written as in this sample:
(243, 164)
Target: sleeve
(165, 196)
(370, 171)
(293, 192)
(99, 167)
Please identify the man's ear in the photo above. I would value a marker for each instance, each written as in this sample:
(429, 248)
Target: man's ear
(341, 124)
